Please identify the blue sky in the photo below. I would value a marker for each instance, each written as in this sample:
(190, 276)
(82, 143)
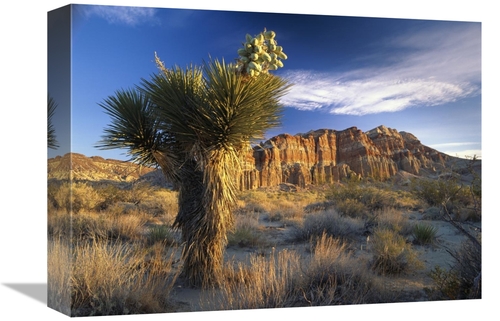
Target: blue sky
(418, 76)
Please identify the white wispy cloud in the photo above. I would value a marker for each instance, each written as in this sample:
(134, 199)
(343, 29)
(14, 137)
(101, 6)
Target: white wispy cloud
(439, 66)
(468, 153)
(458, 144)
(132, 16)
(459, 149)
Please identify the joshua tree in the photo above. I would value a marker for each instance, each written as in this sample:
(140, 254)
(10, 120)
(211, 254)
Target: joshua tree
(196, 124)
(51, 133)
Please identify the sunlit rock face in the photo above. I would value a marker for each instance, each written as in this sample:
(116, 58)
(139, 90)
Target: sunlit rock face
(326, 156)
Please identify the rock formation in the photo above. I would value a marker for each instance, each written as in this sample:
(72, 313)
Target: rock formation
(327, 156)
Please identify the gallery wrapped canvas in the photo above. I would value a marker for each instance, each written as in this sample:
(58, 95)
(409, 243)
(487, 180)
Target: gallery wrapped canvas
(209, 160)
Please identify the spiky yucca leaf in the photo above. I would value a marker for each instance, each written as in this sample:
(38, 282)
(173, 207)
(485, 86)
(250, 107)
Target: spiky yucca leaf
(237, 108)
(134, 126)
(51, 132)
(176, 93)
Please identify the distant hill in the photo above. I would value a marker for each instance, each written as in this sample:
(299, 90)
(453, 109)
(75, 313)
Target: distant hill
(94, 168)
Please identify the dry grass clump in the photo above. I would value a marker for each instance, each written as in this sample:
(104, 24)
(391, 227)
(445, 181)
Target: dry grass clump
(112, 198)
(331, 223)
(392, 219)
(334, 276)
(278, 206)
(59, 275)
(87, 225)
(285, 279)
(118, 278)
(319, 206)
(102, 257)
(392, 254)
(246, 232)
(267, 282)
(161, 233)
(287, 212)
(351, 207)
(73, 196)
(357, 199)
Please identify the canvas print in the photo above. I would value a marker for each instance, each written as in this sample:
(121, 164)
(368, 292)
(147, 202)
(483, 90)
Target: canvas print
(208, 160)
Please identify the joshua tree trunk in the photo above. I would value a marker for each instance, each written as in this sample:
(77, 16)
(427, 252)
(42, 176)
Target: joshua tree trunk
(206, 199)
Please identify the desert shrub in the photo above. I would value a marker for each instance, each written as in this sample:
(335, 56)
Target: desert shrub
(109, 194)
(391, 253)
(256, 201)
(246, 232)
(84, 197)
(359, 199)
(424, 234)
(126, 227)
(447, 284)
(376, 198)
(285, 211)
(59, 195)
(88, 225)
(138, 192)
(58, 224)
(122, 208)
(393, 219)
(351, 207)
(74, 196)
(468, 268)
(329, 222)
(440, 192)
(319, 206)
(349, 190)
(166, 200)
(283, 205)
(160, 234)
(463, 279)
(94, 225)
(114, 279)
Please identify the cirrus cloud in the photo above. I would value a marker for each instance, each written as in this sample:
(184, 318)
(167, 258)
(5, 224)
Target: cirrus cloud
(437, 67)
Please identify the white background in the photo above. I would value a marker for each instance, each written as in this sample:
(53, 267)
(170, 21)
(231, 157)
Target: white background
(23, 156)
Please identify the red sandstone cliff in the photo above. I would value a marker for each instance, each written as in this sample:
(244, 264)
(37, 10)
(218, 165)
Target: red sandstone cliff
(327, 156)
